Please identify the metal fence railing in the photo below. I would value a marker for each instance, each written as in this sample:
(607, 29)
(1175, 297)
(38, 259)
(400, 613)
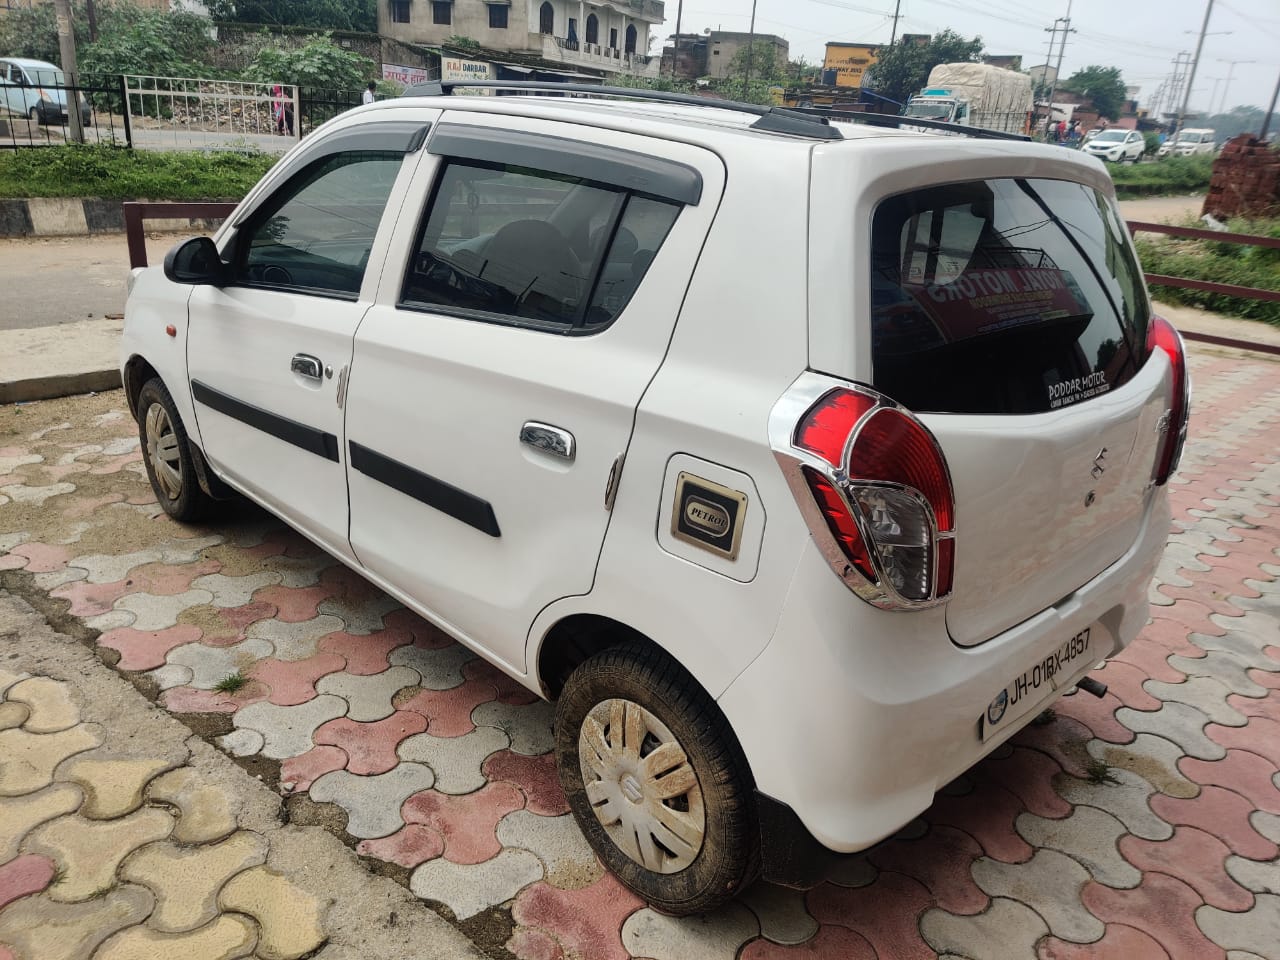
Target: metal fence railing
(40, 115)
(188, 113)
(317, 106)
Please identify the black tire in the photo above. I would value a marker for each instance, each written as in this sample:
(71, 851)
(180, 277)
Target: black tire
(168, 453)
(727, 858)
(34, 115)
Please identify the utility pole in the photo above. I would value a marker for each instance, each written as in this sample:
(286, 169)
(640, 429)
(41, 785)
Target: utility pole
(751, 51)
(675, 55)
(1174, 94)
(897, 15)
(1062, 48)
(1266, 121)
(1186, 97)
(1231, 66)
(67, 49)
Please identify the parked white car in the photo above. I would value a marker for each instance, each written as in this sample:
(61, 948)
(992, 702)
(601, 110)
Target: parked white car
(1188, 142)
(1115, 145)
(800, 464)
(37, 90)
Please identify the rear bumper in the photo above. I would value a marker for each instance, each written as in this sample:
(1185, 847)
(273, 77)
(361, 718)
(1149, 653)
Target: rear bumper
(852, 718)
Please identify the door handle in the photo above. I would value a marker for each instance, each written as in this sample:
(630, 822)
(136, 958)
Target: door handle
(307, 367)
(553, 440)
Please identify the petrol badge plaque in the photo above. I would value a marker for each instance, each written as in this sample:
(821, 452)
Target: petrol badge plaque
(708, 515)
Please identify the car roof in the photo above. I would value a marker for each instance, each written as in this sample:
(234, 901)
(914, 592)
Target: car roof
(25, 62)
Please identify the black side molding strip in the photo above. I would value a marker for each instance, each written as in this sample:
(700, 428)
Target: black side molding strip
(282, 428)
(425, 488)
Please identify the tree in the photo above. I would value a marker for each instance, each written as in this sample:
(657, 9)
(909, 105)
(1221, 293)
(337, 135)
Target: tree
(137, 41)
(763, 60)
(31, 32)
(318, 65)
(901, 71)
(359, 15)
(1102, 85)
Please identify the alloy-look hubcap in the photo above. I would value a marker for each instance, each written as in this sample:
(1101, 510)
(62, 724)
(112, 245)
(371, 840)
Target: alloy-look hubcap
(641, 786)
(162, 451)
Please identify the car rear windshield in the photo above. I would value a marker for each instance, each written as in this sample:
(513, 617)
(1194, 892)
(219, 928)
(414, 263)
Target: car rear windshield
(1003, 297)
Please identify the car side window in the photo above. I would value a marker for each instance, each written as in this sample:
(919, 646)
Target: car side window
(509, 244)
(315, 235)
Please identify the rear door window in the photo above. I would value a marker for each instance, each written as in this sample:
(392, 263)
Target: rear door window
(1003, 297)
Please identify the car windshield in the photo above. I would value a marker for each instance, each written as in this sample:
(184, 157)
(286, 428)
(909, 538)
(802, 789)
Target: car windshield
(47, 75)
(1110, 136)
(1187, 138)
(929, 111)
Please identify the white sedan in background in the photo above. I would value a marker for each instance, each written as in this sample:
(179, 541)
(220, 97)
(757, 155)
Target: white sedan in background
(1117, 146)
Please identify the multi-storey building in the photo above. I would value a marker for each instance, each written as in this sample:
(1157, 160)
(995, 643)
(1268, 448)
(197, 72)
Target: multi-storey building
(609, 36)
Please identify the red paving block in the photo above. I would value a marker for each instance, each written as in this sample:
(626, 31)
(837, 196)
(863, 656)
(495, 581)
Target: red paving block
(1265, 678)
(509, 691)
(191, 700)
(411, 845)
(940, 861)
(38, 558)
(529, 944)
(1162, 907)
(1222, 814)
(1240, 771)
(469, 823)
(1192, 615)
(146, 649)
(366, 654)
(886, 914)
(293, 604)
(987, 814)
(1268, 707)
(1124, 678)
(587, 922)
(1060, 740)
(1261, 735)
(1028, 775)
(535, 776)
(830, 943)
(24, 876)
(1118, 943)
(1197, 858)
(227, 625)
(1098, 714)
(370, 747)
(1217, 600)
(294, 681)
(448, 712)
(425, 635)
(1150, 657)
(91, 599)
(305, 769)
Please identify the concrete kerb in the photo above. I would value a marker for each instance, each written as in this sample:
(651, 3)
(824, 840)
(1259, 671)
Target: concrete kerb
(77, 216)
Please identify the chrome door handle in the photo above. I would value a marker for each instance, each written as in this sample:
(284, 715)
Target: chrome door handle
(549, 439)
(307, 367)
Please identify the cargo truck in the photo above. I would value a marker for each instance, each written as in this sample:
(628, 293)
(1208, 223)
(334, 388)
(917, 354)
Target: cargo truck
(975, 95)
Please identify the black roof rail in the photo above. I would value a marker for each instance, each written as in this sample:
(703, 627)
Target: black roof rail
(893, 120)
(770, 119)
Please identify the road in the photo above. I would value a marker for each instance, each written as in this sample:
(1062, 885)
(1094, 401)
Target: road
(1144, 824)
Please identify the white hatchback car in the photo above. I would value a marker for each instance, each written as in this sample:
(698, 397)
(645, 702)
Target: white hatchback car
(801, 463)
(1189, 142)
(1118, 146)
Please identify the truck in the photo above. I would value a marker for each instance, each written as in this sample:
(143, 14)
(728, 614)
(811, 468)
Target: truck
(975, 95)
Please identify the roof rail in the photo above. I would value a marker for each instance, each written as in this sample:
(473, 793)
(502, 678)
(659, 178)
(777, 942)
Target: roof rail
(893, 120)
(771, 119)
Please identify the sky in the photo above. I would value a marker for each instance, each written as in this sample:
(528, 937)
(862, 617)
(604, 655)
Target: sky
(1141, 37)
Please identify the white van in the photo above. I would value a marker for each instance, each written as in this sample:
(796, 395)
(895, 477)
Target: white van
(37, 90)
(1190, 140)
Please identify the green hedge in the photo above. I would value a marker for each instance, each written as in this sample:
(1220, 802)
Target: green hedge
(115, 173)
(1174, 175)
(1217, 262)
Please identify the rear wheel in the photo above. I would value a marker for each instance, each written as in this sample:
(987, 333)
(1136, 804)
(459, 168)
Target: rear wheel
(656, 780)
(167, 455)
(34, 115)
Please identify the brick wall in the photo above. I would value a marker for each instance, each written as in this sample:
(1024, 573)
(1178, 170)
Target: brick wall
(1246, 180)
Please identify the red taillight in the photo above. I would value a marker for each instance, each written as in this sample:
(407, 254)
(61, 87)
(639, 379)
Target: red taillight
(1162, 335)
(888, 505)
(841, 523)
(825, 429)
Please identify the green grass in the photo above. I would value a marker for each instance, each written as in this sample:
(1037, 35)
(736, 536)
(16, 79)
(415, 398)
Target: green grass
(1218, 262)
(115, 173)
(1099, 771)
(231, 683)
(1172, 176)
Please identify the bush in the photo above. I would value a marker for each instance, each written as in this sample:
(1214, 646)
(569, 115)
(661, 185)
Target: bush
(318, 65)
(1217, 261)
(118, 174)
(1176, 175)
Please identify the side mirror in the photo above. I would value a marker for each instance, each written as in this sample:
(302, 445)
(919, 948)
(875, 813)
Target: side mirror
(195, 261)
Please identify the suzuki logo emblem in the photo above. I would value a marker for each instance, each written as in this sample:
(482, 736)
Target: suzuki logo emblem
(1099, 464)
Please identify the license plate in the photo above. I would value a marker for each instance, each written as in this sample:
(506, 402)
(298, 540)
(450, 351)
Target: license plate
(1034, 684)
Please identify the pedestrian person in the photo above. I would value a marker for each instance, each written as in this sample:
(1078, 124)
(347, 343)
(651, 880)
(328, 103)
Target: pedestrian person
(282, 103)
(1073, 134)
(370, 92)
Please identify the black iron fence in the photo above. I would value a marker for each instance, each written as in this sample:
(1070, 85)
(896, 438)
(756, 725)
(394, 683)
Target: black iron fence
(317, 106)
(40, 114)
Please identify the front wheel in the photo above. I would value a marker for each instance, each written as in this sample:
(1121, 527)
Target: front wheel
(657, 780)
(34, 115)
(167, 455)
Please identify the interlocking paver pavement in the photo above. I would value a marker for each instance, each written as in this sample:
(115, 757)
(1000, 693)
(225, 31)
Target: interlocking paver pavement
(1142, 824)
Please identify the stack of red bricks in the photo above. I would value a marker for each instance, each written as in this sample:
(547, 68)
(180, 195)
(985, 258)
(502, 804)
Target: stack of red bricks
(1246, 180)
